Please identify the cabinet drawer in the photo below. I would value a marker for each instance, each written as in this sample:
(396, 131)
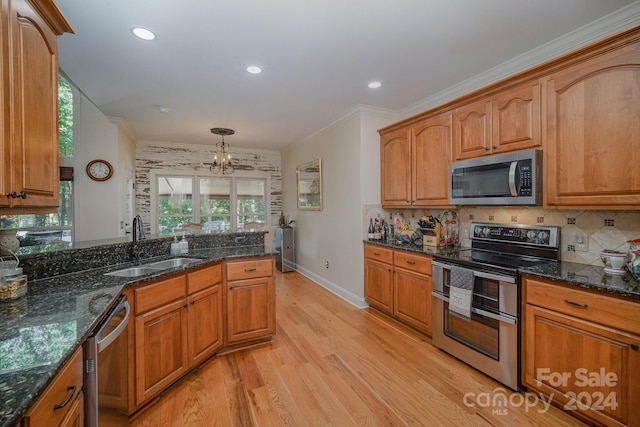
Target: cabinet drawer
(413, 262)
(65, 388)
(378, 253)
(203, 279)
(154, 295)
(617, 313)
(249, 269)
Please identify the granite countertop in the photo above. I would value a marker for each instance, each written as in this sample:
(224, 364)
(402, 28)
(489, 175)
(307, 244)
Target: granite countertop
(40, 331)
(580, 275)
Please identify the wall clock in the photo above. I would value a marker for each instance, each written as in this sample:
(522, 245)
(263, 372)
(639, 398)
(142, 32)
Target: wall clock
(99, 170)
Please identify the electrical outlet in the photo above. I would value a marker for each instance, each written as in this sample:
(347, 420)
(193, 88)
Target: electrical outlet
(326, 264)
(581, 242)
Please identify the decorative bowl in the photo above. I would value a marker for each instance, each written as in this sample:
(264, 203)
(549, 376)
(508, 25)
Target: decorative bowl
(614, 261)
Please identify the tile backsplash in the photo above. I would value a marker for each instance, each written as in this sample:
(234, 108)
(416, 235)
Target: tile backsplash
(583, 233)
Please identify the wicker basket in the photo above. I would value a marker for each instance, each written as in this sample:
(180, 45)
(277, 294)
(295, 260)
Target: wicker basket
(13, 287)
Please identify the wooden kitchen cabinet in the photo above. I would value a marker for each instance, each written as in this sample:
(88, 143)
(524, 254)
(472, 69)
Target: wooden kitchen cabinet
(582, 348)
(160, 336)
(507, 121)
(431, 145)
(414, 164)
(412, 290)
(250, 299)
(378, 277)
(178, 324)
(62, 403)
(398, 283)
(593, 133)
(30, 176)
(395, 168)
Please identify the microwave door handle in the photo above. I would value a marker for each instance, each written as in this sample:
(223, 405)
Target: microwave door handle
(512, 178)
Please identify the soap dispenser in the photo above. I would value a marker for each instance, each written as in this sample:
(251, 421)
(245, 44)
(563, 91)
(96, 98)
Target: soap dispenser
(184, 246)
(175, 246)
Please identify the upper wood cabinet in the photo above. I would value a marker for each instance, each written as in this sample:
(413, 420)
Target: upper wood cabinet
(508, 121)
(431, 155)
(30, 103)
(395, 168)
(592, 149)
(415, 164)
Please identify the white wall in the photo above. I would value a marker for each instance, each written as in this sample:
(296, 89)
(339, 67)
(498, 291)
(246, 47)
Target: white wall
(349, 150)
(97, 203)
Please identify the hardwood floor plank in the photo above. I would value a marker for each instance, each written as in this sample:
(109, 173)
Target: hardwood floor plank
(333, 364)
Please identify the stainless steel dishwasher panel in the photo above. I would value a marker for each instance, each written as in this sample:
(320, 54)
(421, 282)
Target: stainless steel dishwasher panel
(106, 370)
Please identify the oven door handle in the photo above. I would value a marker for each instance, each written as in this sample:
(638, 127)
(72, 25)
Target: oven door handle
(491, 276)
(499, 317)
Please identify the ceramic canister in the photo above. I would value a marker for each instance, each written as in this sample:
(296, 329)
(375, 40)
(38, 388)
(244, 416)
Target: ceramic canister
(8, 241)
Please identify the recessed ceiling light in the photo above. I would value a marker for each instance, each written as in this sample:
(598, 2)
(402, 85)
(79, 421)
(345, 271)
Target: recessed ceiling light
(143, 33)
(163, 109)
(374, 85)
(254, 69)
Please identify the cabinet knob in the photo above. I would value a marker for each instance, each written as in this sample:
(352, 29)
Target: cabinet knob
(230, 288)
(486, 148)
(192, 302)
(634, 347)
(185, 306)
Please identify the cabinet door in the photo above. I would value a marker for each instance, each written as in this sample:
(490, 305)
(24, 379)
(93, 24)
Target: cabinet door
(378, 285)
(431, 154)
(472, 135)
(516, 119)
(592, 150)
(412, 299)
(75, 417)
(34, 84)
(581, 363)
(204, 319)
(161, 349)
(250, 309)
(395, 168)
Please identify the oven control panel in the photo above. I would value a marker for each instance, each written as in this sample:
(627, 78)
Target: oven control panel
(536, 235)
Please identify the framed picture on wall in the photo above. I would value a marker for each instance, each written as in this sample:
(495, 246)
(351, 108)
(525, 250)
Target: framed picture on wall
(309, 183)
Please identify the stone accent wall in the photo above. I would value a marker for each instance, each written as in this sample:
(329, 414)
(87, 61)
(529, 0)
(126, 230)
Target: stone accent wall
(171, 157)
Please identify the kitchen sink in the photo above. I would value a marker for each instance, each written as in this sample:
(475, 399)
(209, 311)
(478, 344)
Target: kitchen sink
(154, 267)
(133, 272)
(171, 263)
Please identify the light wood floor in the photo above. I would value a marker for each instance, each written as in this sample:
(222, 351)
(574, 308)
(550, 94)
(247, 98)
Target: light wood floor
(333, 364)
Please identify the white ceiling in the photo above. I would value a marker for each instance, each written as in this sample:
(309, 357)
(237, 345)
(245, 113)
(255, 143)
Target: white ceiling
(317, 55)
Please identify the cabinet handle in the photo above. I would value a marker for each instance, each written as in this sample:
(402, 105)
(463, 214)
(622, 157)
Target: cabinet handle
(249, 270)
(376, 254)
(577, 304)
(16, 195)
(411, 262)
(634, 347)
(72, 390)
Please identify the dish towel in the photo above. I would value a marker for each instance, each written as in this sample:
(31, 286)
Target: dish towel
(461, 292)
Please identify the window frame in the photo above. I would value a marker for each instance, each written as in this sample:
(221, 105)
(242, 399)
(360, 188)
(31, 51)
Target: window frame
(195, 176)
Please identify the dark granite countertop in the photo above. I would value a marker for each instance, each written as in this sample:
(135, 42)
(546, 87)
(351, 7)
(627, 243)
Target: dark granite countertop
(580, 275)
(40, 331)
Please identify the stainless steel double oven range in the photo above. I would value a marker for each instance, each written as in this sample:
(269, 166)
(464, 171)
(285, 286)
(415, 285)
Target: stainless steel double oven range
(489, 339)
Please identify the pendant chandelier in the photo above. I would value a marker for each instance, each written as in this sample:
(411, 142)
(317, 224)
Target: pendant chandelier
(222, 165)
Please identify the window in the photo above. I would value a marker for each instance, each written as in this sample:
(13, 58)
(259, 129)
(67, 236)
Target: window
(35, 230)
(223, 203)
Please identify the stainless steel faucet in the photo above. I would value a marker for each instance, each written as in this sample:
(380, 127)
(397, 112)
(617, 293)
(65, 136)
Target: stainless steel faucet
(138, 234)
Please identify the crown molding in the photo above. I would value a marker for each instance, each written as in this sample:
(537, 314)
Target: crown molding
(616, 22)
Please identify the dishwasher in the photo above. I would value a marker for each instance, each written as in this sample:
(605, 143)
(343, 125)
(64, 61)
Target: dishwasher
(105, 368)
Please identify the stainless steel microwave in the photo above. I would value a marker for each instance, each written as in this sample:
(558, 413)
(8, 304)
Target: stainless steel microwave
(503, 179)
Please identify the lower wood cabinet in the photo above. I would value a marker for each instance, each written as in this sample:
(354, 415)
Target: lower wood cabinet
(178, 324)
(62, 403)
(583, 350)
(398, 283)
(250, 299)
